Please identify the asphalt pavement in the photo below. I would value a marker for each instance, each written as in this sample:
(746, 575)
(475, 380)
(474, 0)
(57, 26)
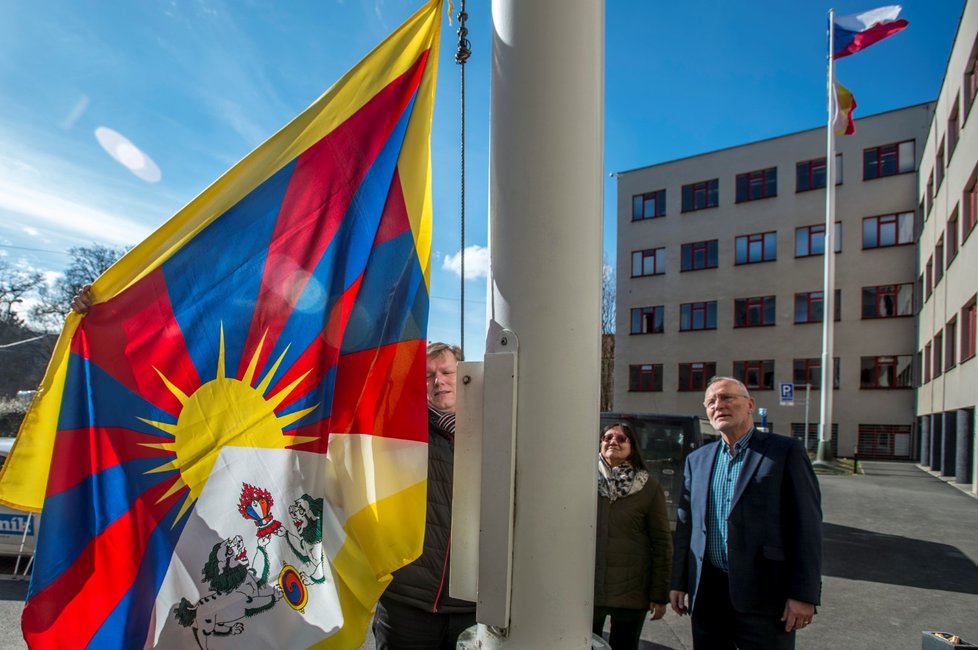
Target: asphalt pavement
(901, 558)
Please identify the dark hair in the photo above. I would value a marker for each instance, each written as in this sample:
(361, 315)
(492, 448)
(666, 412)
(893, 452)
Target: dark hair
(634, 458)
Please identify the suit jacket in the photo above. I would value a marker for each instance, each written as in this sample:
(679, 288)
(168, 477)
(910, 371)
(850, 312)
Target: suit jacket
(774, 536)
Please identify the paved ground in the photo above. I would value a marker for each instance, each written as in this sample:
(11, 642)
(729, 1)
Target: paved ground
(901, 557)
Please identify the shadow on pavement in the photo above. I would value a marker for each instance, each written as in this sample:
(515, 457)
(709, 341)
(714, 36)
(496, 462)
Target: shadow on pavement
(857, 554)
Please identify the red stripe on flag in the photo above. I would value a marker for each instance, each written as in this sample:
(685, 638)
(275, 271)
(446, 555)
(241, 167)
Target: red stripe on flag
(135, 332)
(79, 453)
(332, 168)
(394, 220)
(69, 612)
(382, 392)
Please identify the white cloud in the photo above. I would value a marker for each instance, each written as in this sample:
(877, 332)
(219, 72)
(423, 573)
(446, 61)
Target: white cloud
(476, 262)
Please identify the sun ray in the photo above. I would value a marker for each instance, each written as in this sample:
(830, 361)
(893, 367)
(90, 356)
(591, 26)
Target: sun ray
(224, 412)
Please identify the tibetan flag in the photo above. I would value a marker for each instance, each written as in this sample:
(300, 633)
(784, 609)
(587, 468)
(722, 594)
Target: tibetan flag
(843, 106)
(858, 31)
(236, 431)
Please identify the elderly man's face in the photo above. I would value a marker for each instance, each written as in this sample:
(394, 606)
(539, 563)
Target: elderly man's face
(441, 381)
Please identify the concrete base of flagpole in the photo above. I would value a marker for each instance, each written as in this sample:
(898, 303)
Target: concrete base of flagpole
(482, 637)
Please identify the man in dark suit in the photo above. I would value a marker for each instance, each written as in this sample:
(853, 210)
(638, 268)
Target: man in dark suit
(748, 543)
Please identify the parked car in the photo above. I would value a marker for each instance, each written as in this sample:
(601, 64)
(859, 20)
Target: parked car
(665, 441)
(15, 523)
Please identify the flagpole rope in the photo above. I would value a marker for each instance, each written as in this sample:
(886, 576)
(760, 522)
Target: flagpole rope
(462, 55)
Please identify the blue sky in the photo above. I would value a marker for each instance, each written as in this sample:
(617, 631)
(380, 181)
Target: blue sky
(194, 85)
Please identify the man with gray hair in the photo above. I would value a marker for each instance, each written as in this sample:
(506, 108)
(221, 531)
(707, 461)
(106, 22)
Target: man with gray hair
(748, 541)
(416, 612)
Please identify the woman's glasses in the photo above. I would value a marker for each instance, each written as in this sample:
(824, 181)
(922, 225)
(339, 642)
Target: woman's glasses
(620, 438)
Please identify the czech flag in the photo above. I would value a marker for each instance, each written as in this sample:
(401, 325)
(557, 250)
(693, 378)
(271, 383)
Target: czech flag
(858, 31)
(231, 444)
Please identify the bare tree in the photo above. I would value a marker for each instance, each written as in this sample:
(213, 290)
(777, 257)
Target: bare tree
(608, 308)
(88, 262)
(23, 352)
(608, 315)
(15, 285)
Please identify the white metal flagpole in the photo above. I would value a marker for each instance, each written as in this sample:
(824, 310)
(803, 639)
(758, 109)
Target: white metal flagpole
(824, 453)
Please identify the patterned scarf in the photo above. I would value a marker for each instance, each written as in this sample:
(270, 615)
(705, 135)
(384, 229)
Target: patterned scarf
(444, 422)
(620, 481)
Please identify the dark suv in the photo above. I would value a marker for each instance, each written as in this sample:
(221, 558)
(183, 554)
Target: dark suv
(665, 440)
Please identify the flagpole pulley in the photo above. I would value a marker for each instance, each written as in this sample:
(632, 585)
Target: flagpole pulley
(462, 55)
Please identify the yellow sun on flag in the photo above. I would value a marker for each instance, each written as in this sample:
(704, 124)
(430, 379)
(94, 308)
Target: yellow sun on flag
(224, 412)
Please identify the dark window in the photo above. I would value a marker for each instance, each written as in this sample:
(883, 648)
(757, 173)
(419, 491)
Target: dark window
(754, 312)
(697, 196)
(939, 165)
(969, 208)
(699, 255)
(939, 260)
(929, 277)
(888, 160)
(759, 184)
(649, 205)
(950, 343)
(926, 362)
(647, 320)
(756, 375)
(952, 238)
(810, 175)
(810, 240)
(698, 316)
(651, 261)
(929, 193)
(888, 300)
(970, 84)
(953, 130)
(969, 323)
(887, 372)
(758, 247)
(888, 230)
(694, 376)
(938, 354)
(645, 377)
(809, 371)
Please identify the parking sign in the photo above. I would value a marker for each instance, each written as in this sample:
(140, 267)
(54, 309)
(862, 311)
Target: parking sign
(787, 394)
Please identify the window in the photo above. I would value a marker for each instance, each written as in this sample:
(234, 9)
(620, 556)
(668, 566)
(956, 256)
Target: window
(968, 329)
(929, 193)
(646, 377)
(950, 343)
(928, 277)
(649, 205)
(887, 372)
(810, 306)
(886, 441)
(810, 240)
(647, 320)
(694, 376)
(756, 375)
(759, 247)
(888, 160)
(888, 301)
(809, 372)
(888, 230)
(926, 363)
(698, 196)
(760, 184)
(938, 359)
(754, 312)
(810, 174)
(698, 316)
(939, 258)
(970, 84)
(952, 237)
(970, 206)
(939, 165)
(699, 255)
(651, 261)
(953, 129)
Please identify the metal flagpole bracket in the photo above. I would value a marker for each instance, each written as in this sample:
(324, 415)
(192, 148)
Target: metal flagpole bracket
(485, 471)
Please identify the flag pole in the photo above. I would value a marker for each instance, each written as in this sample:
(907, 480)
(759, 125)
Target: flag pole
(824, 453)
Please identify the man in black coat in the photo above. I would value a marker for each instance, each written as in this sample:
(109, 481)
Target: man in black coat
(416, 612)
(748, 542)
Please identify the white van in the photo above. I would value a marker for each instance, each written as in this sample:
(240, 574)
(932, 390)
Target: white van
(18, 529)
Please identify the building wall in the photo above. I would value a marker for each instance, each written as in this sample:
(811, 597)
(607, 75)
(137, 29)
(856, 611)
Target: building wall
(944, 217)
(783, 278)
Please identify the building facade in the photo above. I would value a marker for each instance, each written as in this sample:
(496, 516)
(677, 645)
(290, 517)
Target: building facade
(720, 272)
(947, 263)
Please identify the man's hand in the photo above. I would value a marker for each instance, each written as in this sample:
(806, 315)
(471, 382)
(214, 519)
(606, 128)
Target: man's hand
(82, 301)
(797, 614)
(678, 601)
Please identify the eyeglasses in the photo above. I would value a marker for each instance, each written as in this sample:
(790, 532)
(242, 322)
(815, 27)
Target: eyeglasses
(609, 437)
(721, 397)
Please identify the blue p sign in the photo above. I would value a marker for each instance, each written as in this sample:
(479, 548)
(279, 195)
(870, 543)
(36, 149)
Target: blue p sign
(787, 392)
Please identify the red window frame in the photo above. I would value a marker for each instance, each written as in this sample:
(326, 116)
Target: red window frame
(881, 366)
(950, 344)
(883, 291)
(970, 209)
(969, 329)
(645, 378)
(758, 306)
(650, 253)
(697, 373)
(747, 367)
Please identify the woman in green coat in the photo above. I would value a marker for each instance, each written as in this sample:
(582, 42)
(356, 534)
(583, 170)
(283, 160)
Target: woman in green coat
(634, 544)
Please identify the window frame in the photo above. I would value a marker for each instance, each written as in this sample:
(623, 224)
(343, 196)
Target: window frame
(656, 197)
(813, 366)
(750, 242)
(710, 189)
(708, 249)
(969, 329)
(815, 233)
(706, 308)
(764, 307)
(645, 378)
(696, 378)
(882, 153)
(902, 235)
(764, 368)
(878, 367)
(876, 294)
(650, 253)
(756, 185)
(658, 317)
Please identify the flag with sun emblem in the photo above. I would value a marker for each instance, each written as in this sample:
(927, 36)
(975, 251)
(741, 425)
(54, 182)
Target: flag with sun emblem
(230, 446)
